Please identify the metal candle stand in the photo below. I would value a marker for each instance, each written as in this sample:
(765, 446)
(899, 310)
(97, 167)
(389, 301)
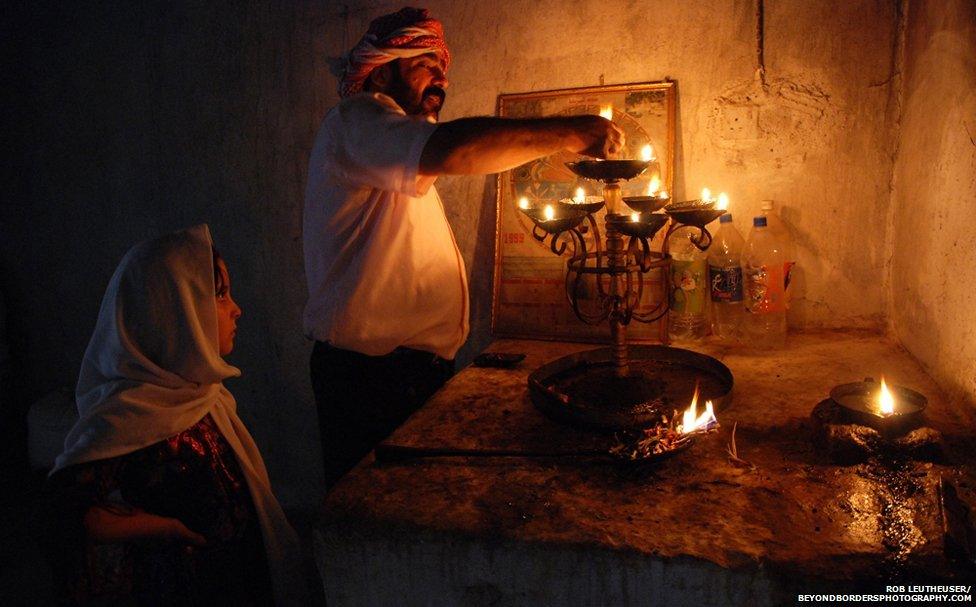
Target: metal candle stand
(624, 263)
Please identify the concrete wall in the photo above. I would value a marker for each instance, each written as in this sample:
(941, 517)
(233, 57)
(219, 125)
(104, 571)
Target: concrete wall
(933, 260)
(135, 119)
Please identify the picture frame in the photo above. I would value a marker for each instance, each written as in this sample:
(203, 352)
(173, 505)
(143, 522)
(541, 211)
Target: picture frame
(529, 295)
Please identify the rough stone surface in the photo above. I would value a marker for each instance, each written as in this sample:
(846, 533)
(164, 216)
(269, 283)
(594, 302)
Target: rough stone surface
(694, 530)
(933, 260)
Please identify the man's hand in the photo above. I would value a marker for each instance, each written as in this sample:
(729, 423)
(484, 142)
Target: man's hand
(472, 146)
(597, 137)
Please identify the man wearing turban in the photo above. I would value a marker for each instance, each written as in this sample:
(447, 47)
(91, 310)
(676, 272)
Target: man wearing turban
(388, 295)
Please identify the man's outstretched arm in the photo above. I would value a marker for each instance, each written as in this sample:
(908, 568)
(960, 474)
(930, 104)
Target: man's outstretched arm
(477, 146)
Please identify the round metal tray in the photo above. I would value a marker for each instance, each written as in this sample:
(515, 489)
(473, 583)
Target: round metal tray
(582, 390)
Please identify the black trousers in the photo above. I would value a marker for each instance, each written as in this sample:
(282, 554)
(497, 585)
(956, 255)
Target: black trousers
(361, 399)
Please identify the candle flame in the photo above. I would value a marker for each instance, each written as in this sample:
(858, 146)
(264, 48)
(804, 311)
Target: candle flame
(723, 202)
(580, 195)
(663, 194)
(653, 186)
(647, 153)
(635, 216)
(523, 202)
(549, 212)
(691, 421)
(606, 111)
(885, 400)
(706, 195)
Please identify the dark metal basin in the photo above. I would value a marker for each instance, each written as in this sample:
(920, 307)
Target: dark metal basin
(582, 390)
(646, 226)
(592, 204)
(563, 218)
(609, 170)
(646, 204)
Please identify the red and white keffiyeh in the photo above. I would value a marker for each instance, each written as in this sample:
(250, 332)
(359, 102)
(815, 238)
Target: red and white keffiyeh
(407, 33)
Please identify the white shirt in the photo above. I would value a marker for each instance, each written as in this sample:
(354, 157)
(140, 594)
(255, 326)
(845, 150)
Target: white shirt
(382, 265)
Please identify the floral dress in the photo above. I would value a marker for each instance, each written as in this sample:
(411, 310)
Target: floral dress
(194, 477)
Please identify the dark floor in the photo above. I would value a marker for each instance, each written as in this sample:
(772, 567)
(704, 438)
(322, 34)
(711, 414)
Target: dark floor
(25, 577)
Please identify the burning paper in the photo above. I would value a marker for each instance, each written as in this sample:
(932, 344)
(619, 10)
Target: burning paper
(691, 421)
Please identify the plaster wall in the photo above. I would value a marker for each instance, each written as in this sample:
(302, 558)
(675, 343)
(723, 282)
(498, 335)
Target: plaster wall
(933, 261)
(136, 119)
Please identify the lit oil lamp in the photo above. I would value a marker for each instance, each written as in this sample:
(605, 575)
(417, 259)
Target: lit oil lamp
(890, 409)
(655, 199)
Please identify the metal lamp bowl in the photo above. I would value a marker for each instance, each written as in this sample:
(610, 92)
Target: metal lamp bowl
(592, 204)
(859, 399)
(694, 213)
(646, 226)
(609, 170)
(563, 218)
(646, 204)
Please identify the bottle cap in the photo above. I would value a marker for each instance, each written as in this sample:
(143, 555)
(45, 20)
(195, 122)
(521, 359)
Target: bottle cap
(759, 222)
(727, 218)
(767, 205)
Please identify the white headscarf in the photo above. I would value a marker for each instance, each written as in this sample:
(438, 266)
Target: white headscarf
(153, 369)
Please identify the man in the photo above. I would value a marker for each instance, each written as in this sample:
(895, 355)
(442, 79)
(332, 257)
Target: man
(388, 300)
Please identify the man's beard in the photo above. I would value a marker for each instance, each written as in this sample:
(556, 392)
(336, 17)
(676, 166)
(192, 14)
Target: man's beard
(431, 100)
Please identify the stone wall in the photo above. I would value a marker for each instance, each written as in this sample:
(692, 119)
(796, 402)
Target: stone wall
(933, 260)
(134, 119)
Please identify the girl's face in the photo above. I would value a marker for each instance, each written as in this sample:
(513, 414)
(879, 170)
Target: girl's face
(227, 311)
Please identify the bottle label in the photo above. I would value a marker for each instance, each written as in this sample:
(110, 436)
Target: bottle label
(688, 295)
(726, 283)
(764, 290)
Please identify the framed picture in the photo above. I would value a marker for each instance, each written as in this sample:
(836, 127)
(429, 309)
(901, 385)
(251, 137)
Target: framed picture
(530, 298)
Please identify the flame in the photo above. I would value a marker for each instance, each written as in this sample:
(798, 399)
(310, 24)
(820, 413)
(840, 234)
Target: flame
(653, 186)
(706, 195)
(635, 216)
(647, 153)
(549, 212)
(606, 111)
(663, 194)
(723, 202)
(580, 195)
(523, 202)
(885, 400)
(692, 422)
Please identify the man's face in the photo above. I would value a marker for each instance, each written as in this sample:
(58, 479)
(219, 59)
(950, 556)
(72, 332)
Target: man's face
(417, 84)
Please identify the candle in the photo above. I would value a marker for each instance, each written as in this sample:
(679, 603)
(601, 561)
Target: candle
(886, 402)
(635, 216)
(663, 194)
(523, 202)
(653, 186)
(723, 202)
(647, 153)
(580, 195)
(549, 212)
(706, 195)
(606, 111)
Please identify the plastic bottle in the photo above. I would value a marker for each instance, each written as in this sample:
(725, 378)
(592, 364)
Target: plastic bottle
(785, 237)
(725, 279)
(762, 273)
(689, 295)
